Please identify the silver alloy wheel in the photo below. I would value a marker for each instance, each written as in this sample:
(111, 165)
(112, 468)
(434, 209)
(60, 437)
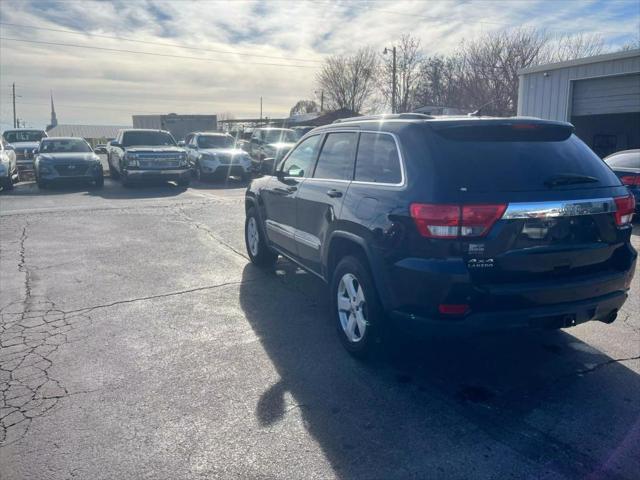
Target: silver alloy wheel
(253, 237)
(351, 307)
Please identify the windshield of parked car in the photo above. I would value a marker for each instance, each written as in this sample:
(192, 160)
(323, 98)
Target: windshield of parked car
(147, 138)
(216, 141)
(624, 160)
(65, 146)
(16, 136)
(280, 136)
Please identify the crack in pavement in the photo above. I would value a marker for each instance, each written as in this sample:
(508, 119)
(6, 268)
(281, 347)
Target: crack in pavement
(22, 267)
(201, 226)
(86, 310)
(31, 330)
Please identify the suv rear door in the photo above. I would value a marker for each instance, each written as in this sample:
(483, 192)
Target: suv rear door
(320, 198)
(559, 198)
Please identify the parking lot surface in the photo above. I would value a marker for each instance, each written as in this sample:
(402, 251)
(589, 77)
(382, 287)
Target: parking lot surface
(138, 342)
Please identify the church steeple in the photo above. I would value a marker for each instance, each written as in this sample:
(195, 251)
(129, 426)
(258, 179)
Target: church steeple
(54, 119)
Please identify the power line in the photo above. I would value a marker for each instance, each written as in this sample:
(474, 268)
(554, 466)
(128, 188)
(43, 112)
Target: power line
(204, 59)
(162, 44)
(95, 108)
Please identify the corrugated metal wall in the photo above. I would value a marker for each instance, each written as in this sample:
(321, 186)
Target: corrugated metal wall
(548, 94)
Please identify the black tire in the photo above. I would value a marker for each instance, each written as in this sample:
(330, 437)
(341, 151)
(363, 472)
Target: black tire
(112, 171)
(184, 182)
(126, 183)
(41, 184)
(8, 185)
(99, 181)
(369, 342)
(261, 255)
(200, 175)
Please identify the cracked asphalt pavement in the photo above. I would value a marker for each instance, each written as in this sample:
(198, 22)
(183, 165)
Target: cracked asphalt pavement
(136, 341)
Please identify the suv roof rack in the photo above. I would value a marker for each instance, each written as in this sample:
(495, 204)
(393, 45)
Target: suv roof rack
(394, 116)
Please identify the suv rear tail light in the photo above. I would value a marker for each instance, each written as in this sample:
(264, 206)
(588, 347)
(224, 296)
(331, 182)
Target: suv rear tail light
(630, 180)
(625, 207)
(454, 221)
(453, 308)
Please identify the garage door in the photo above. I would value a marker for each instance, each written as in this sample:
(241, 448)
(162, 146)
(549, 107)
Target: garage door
(597, 96)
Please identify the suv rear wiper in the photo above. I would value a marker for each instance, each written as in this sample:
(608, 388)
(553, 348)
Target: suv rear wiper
(568, 179)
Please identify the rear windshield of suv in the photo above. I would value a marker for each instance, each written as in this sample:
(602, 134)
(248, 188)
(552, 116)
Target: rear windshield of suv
(501, 158)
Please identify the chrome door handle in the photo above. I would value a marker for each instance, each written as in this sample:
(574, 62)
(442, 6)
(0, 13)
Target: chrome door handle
(333, 193)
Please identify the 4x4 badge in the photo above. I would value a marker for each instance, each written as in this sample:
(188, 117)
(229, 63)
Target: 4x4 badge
(480, 263)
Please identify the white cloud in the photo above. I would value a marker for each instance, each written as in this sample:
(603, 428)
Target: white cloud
(94, 86)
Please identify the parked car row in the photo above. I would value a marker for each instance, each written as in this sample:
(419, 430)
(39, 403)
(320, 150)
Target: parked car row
(134, 156)
(452, 223)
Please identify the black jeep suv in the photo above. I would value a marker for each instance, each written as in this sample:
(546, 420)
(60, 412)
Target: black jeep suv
(487, 223)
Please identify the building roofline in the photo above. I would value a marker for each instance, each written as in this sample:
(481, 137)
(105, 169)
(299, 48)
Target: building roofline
(581, 61)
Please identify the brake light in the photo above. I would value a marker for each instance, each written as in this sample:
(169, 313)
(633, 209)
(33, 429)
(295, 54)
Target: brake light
(630, 180)
(625, 207)
(454, 221)
(437, 221)
(453, 308)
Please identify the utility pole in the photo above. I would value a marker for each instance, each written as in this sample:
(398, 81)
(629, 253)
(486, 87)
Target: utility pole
(393, 96)
(260, 110)
(13, 94)
(393, 79)
(315, 92)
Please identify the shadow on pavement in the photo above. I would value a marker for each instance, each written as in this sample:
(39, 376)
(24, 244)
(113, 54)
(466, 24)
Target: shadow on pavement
(218, 184)
(519, 405)
(114, 190)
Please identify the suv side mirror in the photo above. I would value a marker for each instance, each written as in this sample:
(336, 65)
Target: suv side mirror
(267, 166)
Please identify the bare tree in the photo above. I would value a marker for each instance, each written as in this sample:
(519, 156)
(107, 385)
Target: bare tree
(569, 47)
(491, 65)
(408, 60)
(226, 116)
(349, 80)
(440, 82)
(304, 106)
(633, 45)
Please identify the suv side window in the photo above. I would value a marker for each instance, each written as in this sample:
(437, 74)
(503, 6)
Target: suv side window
(300, 161)
(377, 160)
(337, 156)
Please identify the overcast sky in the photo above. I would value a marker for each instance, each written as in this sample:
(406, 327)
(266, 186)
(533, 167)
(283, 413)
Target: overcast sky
(288, 40)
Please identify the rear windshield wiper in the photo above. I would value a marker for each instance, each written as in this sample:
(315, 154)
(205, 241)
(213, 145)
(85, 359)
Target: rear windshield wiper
(568, 179)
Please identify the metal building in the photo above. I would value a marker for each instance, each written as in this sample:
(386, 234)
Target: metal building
(600, 95)
(178, 125)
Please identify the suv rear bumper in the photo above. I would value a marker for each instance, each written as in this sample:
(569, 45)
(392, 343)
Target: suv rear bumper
(418, 286)
(562, 315)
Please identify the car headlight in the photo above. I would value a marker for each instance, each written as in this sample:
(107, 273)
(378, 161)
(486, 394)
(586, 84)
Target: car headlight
(131, 160)
(209, 157)
(182, 159)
